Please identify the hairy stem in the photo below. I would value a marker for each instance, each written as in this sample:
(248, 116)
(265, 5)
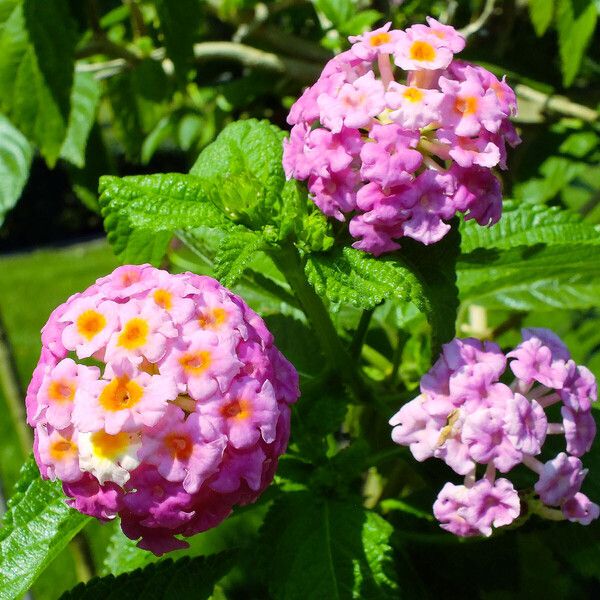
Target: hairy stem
(290, 264)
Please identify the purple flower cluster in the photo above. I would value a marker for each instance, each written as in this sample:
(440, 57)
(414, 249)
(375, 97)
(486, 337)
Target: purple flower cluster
(162, 399)
(467, 417)
(402, 157)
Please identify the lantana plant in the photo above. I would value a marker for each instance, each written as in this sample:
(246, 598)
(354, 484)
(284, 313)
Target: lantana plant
(162, 401)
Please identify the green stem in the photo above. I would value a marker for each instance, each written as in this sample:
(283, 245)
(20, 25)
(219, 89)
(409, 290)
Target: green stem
(11, 388)
(290, 263)
(360, 333)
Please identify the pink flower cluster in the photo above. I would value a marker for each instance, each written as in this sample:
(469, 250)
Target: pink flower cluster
(466, 417)
(402, 156)
(162, 399)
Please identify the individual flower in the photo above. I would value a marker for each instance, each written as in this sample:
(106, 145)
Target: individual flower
(183, 415)
(397, 136)
(466, 415)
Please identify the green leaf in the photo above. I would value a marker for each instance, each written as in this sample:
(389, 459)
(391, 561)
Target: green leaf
(36, 71)
(346, 275)
(318, 548)
(541, 13)
(337, 11)
(165, 580)
(235, 254)
(535, 258)
(15, 160)
(575, 23)
(142, 213)
(179, 22)
(242, 171)
(37, 526)
(84, 101)
(528, 225)
(123, 555)
(360, 22)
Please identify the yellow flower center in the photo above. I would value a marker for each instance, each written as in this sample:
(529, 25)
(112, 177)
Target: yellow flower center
(90, 323)
(120, 393)
(179, 445)
(109, 446)
(379, 39)
(237, 409)
(422, 51)
(413, 94)
(195, 363)
(134, 334)
(61, 449)
(62, 390)
(213, 319)
(466, 106)
(163, 298)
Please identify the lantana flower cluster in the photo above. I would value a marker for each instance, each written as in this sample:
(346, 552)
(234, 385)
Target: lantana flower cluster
(162, 399)
(467, 417)
(399, 136)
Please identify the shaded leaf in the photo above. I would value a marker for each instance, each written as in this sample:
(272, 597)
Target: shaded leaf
(324, 548)
(15, 160)
(84, 101)
(165, 580)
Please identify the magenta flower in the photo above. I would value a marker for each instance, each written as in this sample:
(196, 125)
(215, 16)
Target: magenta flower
(492, 504)
(467, 417)
(185, 415)
(560, 479)
(398, 153)
(580, 509)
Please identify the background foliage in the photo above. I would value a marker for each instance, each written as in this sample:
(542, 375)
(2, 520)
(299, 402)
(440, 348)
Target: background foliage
(110, 88)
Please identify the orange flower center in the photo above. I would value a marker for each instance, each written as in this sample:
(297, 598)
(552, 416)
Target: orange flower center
(413, 94)
(422, 51)
(134, 334)
(109, 446)
(237, 409)
(466, 106)
(213, 319)
(121, 393)
(90, 323)
(61, 449)
(379, 39)
(129, 278)
(62, 390)
(179, 445)
(163, 298)
(195, 363)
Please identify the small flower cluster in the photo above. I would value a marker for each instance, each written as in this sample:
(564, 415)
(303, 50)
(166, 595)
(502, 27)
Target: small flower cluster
(402, 157)
(467, 417)
(160, 398)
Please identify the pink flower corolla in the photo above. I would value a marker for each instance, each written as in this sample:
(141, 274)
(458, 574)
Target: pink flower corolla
(125, 401)
(560, 479)
(467, 416)
(389, 158)
(354, 105)
(184, 448)
(412, 107)
(367, 122)
(56, 394)
(372, 43)
(468, 107)
(184, 416)
(420, 48)
(535, 359)
(580, 509)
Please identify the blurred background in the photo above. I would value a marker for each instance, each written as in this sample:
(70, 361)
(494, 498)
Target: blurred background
(155, 81)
